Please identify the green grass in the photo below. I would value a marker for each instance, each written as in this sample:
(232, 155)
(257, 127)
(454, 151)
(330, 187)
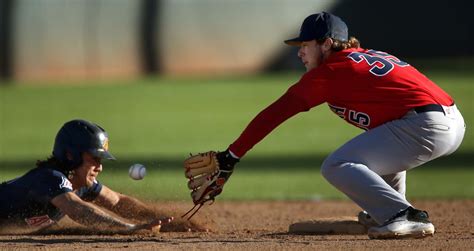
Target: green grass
(159, 121)
(162, 116)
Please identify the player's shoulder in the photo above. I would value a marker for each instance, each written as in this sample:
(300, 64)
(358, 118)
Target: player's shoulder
(49, 177)
(46, 172)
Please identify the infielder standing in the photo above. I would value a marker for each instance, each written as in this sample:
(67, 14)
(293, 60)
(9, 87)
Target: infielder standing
(66, 184)
(408, 119)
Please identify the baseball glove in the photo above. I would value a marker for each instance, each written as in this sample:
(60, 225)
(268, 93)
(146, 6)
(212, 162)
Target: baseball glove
(207, 173)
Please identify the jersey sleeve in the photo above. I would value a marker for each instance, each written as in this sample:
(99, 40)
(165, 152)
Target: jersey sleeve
(311, 88)
(51, 183)
(90, 193)
(302, 96)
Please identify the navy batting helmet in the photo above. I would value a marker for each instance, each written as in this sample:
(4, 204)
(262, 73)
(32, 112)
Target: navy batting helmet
(78, 136)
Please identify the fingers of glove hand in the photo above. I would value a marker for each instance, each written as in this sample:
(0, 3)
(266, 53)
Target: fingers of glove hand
(197, 182)
(200, 160)
(192, 172)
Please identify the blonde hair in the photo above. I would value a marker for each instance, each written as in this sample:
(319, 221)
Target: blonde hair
(339, 45)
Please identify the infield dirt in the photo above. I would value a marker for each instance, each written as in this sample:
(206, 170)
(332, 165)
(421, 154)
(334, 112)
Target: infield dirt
(263, 226)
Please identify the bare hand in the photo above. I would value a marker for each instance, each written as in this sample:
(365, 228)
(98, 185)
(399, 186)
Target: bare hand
(154, 225)
(181, 225)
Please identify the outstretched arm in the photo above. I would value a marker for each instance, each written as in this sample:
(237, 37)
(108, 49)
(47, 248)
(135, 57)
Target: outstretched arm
(267, 120)
(124, 205)
(130, 207)
(88, 214)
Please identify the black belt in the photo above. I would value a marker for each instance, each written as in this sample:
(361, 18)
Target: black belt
(429, 108)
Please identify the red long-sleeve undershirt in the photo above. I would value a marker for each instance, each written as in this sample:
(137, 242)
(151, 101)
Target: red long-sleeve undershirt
(282, 109)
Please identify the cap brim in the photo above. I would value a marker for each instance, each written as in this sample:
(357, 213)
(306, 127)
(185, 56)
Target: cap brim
(104, 155)
(294, 41)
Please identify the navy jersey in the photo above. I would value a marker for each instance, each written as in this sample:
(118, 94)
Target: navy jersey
(28, 198)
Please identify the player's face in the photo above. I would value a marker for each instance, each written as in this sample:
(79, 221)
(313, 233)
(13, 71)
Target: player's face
(86, 174)
(311, 54)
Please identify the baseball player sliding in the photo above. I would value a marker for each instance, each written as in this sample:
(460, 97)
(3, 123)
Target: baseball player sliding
(65, 184)
(408, 121)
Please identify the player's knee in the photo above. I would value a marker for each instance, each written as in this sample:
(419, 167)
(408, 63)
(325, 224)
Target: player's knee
(329, 168)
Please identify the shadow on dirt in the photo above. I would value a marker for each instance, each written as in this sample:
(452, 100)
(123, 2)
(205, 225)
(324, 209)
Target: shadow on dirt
(83, 239)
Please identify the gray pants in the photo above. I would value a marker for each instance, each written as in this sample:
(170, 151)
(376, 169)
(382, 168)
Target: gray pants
(371, 168)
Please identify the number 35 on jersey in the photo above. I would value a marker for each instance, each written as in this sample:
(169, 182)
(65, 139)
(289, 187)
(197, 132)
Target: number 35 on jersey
(381, 63)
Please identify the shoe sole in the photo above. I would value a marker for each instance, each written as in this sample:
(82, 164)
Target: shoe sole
(395, 235)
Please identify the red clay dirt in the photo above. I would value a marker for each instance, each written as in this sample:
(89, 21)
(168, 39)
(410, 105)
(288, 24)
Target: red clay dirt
(262, 226)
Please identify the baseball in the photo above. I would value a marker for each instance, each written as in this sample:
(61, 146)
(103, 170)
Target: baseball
(137, 171)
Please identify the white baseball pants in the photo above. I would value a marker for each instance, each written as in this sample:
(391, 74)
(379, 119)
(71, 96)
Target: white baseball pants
(370, 169)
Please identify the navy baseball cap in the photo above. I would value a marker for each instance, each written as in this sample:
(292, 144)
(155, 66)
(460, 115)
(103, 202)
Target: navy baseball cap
(319, 26)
